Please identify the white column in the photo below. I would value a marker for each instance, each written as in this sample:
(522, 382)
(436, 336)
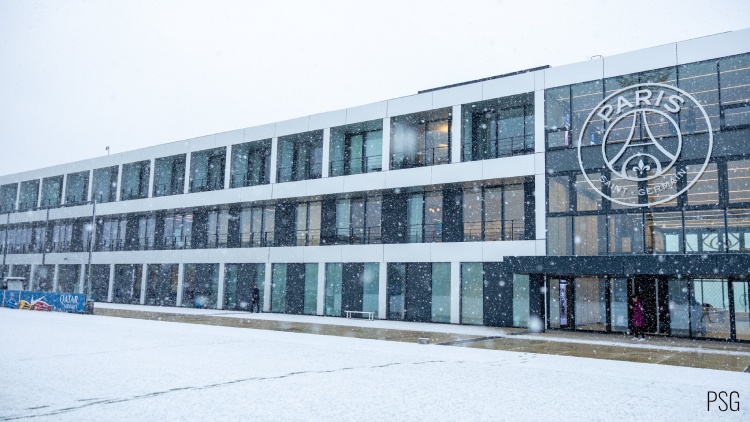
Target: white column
(31, 275)
(456, 135)
(144, 283)
(455, 292)
(119, 183)
(539, 212)
(39, 193)
(180, 282)
(386, 159)
(151, 173)
(186, 189)
(326, 151)
(274, 158)
(539, 121)
(82, 280)
(90, 186)
(55, 281)
(228, 169)
(539, 178)
(62, 190)
(18, 196)
(267, 288)
(382, 291)
(322, 288)
(110, 289)
(220, 291)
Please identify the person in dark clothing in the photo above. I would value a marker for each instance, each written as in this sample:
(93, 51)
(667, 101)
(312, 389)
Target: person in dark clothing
(255, 303)
(638, 317)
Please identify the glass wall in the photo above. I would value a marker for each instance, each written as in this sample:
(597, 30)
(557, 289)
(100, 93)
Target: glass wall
(498, 128)
(590, 306)
(741, 288)
(200, 286)
(358, 220)
(278, 288)
(300, 157)
(311, 289)
(77, 187)
(207, 169)
(308, 223)
(43, 278)
(68, 278)
(169, 175)
(135, 180)
(99, 282)
(104, 188)
(257, 226)
(520, 300)
(421, 139)
(356, 148)
(472, 293)
(29, 195)
(334, 282)
(51, 191)
(619, 304)
(251, 164)
(8, 197)
(239, 280)
(161, 285)
(371, 288)
(441, 292)
(25, 272)
(127, 283)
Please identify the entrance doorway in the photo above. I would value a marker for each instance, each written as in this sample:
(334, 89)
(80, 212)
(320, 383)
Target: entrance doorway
(560, 302)
(653, 293)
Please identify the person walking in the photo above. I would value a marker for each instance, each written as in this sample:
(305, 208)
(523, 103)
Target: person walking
(638, 317)
(255, 301)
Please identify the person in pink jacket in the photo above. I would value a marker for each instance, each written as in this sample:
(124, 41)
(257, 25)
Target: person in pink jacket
(638, 317)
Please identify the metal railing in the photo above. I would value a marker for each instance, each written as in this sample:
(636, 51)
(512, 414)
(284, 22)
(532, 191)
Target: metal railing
(167, 189)
(427, 157)
(205, 185)
(310, 172)
(367, 164)
(308, 237)
(358, 235)
(256, 240)
(241, 180)
(514, 145)
(131, 194)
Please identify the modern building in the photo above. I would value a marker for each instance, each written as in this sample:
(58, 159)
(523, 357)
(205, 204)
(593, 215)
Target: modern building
(541, 199)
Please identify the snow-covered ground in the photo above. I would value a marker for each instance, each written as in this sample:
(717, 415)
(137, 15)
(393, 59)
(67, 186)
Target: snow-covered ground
(56, 366)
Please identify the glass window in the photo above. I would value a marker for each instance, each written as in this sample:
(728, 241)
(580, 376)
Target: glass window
(300, 157)
(441, 292)
(710, 308)
(619, 304)
(738, 230)
(308, 223)
(251, 164)
(588, 240)
(584, 97)
(278, 288)
(77, 187)
(706, 190)
(169, 175)
(591, 311)
(433, 216)
(51, 191)
(499, 127)
(207, 170)
(373, 216)
(493, 214)
(587, 198)
(421, 139)
(135, 180)
(356, 148)
(558, 194)
(333, 289)
(742, 308)
(472, 293)
(238, 281)
(559, 236)
(311, 289)
(161, 285)
(520, 300)
(472, 213)
(557, 117)
(701, 81)
(396, 291)
(29, 195)
(626, 233)
(679, 307)
(514, 225)
(704, 231)
(44, 277)
(8, 197)
(104, 188)
(663, 232)
(415, 214)
(624, 191)
(127, 284)
(371, 288)
(738, 178)
(735, 90)
(662, 188)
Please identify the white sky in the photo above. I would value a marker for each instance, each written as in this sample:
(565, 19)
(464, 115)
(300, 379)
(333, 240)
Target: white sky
(76, 76)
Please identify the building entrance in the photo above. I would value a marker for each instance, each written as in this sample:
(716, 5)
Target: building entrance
(653, 292)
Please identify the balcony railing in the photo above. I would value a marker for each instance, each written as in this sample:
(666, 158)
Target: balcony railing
(358, 235)
(205, 185)
(241, 180)
(368, 164)
(256, 240)
(308, 237)
(427, 157)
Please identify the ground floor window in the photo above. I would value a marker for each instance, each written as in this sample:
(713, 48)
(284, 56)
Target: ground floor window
(239, 280)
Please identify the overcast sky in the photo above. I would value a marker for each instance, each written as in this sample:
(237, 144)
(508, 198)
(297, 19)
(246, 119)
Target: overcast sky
(76, 76)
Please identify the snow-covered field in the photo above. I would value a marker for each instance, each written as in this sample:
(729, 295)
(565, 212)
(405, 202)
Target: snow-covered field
(56, 366)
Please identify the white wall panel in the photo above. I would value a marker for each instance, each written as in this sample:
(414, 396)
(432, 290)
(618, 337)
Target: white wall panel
(509, 85)
(409, 252)
(362, 253)
(291, 254)
(290, 189)
(638, 61)
(313, 254)
(521, 165)
(293, 126)
(457, 95)
(257, 133)
(713, 46)
(464, 251)
(410, 104)
(367, 112)
(408, 177)
(459, 172)
(364, 182)
(226, 139)
(573, 73)
(327, 120)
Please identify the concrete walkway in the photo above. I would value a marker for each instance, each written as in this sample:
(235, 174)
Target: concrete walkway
(663, 350)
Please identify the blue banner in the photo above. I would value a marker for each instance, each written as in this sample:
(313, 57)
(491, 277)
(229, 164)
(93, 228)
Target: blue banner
(44, 301)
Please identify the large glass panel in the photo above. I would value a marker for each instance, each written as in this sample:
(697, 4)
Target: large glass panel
(626, 233)
(43, 278)
(99, 286)
(396, 291)
(706, 190)
(311, 289)
(77, 187)
(558, 194)
(421, 139)
(559, 236)
(738, 230)
(704, 231)
(663, 232)
(200, 286)
(68, 279)
(135, 180)
(169, 175)
(735, 90)
(587, 199)
(333, 289)
(557, 117)
(8, 197)
(742, 308)
(738, 178)
(51, 191)
(433, 216)
(514, 225)
(343, 221)
(498, 127)
(104, 188)
(29, 195)
(239, 280)
(373, 216)
(591, 310)
(161, 286)
(251, 164)
(207, 169)
(127, 284)
(520, 300)
(441, 292)
(661, 189)
(701, 81)
(619, 304)
(679, 307)
(371, 288)
(414, 215)
(472, 293)
(300, 157)
(710, 308)
(278, 288)
(472, 213)
(493, 214)
(589, 235)
(584, 97)
(24, 271)
(625, 191)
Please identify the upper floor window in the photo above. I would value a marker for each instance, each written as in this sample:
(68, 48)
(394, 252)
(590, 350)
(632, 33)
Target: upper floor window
(77, 187)
(308, 223)
(8, 197)
(207, 170)
(51, 191)
(421, 139)
(257, 226)
(300, 157)
(29, 195)
(169, 175)
(494, 213)
(357, 148)
(135, 180)
(424, 215)
(498, 128)
(251, 164)
(358, 220)
(104, 188)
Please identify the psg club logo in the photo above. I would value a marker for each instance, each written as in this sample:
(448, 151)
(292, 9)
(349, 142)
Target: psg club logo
(643, 132)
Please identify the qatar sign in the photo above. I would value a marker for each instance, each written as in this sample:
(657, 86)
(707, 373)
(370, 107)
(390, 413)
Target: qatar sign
(641, 143)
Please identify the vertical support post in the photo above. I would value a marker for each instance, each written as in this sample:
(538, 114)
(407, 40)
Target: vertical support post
(326, 151)
(151, 174)
(274, 158)
(455, 292)
(90, 187)
(186, 188)
(382, 291)
(39, 194)
(55, 279)
(228, 168)
(18, 197)
(144, 283)
(110, 288)
(180, 282)
(386, 158)
(81, 279)
(539, 160)
(732, 310)
(267, 288)
(63, 188)
(321, 288)
(31, 275)
(456, 134)
(220, 290)
(118, 192)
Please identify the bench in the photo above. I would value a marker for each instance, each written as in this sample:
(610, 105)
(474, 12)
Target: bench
(370, 315)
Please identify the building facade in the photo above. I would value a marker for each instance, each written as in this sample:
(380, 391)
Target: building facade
(541, 199)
